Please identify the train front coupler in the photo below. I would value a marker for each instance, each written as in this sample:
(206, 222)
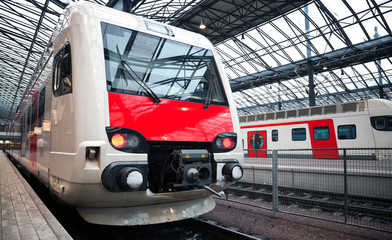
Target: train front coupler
(186, 169)
(195, 169)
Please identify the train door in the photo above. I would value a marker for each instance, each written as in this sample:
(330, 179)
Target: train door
(63, 107)
(322, 136)
(257, 144)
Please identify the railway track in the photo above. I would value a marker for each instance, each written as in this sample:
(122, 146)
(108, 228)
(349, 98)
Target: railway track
(181, 230)
(328, 202)
(186, 229)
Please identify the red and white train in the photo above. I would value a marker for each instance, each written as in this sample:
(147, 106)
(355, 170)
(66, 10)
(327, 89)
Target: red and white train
(363, 124)
(129, 120)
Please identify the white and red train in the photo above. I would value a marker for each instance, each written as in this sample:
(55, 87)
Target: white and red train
(363, 124)
(129, 120)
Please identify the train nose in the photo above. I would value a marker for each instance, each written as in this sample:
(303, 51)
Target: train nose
(233, 171)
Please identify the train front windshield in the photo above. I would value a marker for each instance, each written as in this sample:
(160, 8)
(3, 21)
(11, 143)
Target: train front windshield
(142, 64)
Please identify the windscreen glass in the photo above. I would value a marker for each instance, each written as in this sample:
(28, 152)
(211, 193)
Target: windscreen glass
(137, 63)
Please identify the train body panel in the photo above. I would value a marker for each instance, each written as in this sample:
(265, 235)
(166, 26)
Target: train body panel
(101, 141)
(366, 124)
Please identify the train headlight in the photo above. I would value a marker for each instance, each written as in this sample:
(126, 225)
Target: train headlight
(125, 176)
(127, 140)
(118, 140)
(232, 171)
(130, 178)
(225, 142)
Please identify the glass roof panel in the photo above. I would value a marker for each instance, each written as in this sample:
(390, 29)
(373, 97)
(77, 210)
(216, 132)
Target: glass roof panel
(333, 25)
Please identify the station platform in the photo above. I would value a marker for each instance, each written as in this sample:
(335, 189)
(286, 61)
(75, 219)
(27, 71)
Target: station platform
(23, 214)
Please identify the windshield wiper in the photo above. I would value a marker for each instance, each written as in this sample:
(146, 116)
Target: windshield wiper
(140, 82)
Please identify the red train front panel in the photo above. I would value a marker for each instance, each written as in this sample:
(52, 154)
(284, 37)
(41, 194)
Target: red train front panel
(171, 120)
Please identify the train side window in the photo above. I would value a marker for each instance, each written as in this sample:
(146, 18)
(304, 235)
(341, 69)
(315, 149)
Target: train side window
(62, 71)
(298, 134)
(382, 123)
(275, 135)
(321, 133)
(41, 107)
(257, 141)
(346, 132)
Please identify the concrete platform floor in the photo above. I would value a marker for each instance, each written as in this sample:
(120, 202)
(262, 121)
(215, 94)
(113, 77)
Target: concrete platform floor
(23, 214)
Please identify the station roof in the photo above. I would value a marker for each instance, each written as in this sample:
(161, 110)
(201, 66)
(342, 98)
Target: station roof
(347, 42)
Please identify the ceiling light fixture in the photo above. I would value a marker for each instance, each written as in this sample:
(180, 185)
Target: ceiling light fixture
(202, 25)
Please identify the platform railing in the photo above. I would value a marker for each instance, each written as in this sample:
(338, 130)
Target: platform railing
(351, 186)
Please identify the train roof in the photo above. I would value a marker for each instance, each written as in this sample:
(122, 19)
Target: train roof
(358, 106)
(127, 20)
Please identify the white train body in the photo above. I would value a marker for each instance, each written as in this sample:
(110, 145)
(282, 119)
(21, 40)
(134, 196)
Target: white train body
(103, 143)
(364, 124)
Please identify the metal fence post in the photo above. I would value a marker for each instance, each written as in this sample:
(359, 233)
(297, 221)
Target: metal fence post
(345, 184)
(275, 182)
(253, 173)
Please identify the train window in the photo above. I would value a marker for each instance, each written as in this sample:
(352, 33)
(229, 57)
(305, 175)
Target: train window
(257, 141)
(382, 123)
(346, 132)
(298, 134)
(275, 136)
(137, 63)
(62, 71)
(321, 133)
(41, 107)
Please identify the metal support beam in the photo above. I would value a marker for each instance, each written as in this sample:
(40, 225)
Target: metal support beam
(312, 96)
(380, 82)
(361, 53)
